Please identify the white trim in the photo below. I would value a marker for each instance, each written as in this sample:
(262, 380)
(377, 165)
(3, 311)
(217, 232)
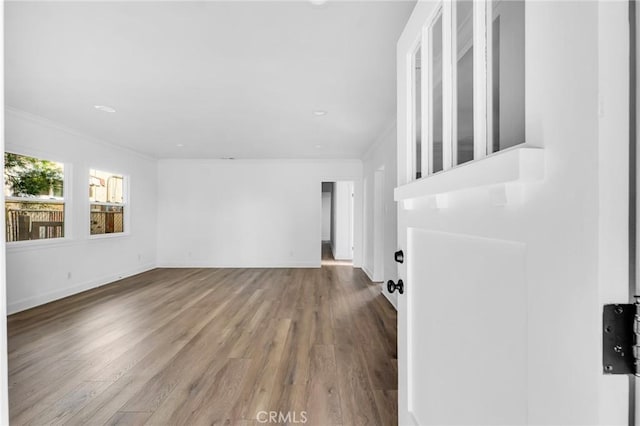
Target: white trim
(411, 59)
(212, 265)
(425, 104)
(408, 125)
(393, 302)
(278, 161)
(517, 164)
(45, 243)
(448, 74)
(453, 74)
(98, 203)
(429, 105)
(12, 111)
(480, 136)
(109, 235)
(31, 302)
(4, 385)
(34, 200)
(488, 21)
(342, 257)
(369, 274)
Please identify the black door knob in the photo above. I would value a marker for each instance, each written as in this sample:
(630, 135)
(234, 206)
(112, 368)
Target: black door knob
(391, 286)
(399, 256)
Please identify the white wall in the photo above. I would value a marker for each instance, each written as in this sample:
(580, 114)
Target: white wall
(42, 271)
(4, 376)
(341, 242)
(382, 155)
(326, 216)
(245, 213)
(572, 224)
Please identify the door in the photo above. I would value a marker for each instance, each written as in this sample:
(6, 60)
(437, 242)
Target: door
(378, 225)
(512, 211)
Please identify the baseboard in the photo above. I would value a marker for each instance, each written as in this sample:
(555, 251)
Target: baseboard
(343, 257)
(303, 264)
(32, 302)
(391, 301)
(367, 273)
(370, 275)
(384, 293)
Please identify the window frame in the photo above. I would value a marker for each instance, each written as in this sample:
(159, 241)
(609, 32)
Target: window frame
(413, 169)
(428, 105)
(66, 202)
(126, 205)
(482, 119)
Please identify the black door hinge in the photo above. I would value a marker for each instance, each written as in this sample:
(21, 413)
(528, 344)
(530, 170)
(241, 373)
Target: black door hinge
(620, 338)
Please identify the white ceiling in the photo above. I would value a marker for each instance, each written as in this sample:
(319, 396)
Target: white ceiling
(225, 78)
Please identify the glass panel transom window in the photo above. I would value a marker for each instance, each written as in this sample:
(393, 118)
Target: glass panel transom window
(473, 52)
(436, 95)
(417, 110)
(464, 84)
(506, 64)
(108, 201)
(34, 198)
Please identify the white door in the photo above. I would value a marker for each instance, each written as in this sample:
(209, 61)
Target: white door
(511, 211)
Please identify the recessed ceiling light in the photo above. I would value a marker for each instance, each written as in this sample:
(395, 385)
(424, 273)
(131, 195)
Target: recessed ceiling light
(104, 108)
(317, 2)
(179, 145)
(318, 146)
(319, 113)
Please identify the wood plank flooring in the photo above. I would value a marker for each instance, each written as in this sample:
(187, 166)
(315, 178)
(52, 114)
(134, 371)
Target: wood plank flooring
(209, 346)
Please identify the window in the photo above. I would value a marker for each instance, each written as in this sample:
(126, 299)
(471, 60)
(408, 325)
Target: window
(506, 65)
(34, 198)
(464, 81)
(436, 63)
(417, 110)
(474, 88)
(108, 201)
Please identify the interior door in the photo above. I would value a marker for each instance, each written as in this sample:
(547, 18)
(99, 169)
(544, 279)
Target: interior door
(454, 335)
(508, 259)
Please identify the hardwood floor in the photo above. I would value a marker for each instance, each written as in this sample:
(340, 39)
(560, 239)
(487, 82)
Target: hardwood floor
(209, 346)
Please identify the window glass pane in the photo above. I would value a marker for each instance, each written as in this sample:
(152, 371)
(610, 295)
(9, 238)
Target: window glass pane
(34, 221)
(34, 207)
(417, 111)
(106, 219)
(107, 197)
(106, 187)
(436, 94)
(507, 74)
(31, 177)
(464, 60)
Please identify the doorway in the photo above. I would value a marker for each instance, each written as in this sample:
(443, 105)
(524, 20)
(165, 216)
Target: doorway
(378, 225)
(337, 223)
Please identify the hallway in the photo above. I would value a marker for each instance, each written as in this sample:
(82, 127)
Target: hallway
(329, 260)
